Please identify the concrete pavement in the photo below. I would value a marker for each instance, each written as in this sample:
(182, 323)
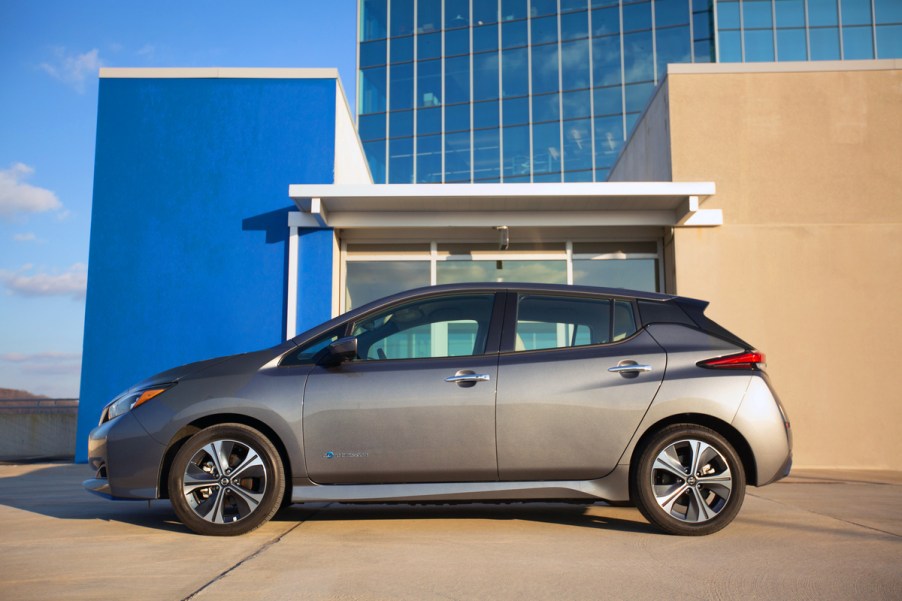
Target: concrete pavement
(816, 535)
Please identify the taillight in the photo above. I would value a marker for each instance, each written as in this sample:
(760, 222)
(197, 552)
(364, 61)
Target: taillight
(752, 360)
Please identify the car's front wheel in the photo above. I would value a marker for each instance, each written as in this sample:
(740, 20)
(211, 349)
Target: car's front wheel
(689, 480)
(226, 480)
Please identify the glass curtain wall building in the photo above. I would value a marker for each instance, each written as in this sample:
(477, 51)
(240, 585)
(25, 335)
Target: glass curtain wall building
(548, 90)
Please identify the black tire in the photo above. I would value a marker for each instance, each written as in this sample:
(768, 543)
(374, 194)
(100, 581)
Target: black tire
(689, 504)
(211, 497)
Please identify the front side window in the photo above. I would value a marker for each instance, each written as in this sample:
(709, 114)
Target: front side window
(549, 322)
(445, 326)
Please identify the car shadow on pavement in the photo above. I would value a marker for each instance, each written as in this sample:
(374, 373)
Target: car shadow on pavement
(600, 516)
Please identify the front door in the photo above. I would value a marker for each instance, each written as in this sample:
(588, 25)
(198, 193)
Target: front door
(418, 403)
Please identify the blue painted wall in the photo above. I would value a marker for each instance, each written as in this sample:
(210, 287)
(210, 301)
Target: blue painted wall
(189, 231)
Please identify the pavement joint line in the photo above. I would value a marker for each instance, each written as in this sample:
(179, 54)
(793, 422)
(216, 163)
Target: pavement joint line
(256, 553)
(825, 515)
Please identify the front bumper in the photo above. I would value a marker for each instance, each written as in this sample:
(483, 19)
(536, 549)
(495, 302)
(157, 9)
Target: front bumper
(126, 460)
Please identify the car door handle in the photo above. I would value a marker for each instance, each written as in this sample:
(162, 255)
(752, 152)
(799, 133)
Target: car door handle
(458, 378)
(633, 368)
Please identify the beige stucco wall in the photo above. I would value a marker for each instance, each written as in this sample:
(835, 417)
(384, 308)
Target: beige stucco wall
(808, 263)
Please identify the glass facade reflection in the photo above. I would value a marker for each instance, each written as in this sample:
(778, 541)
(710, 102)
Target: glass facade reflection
(548, 90)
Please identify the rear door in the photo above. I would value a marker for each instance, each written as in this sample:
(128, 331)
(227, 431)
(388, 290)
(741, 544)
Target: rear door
(575, 378)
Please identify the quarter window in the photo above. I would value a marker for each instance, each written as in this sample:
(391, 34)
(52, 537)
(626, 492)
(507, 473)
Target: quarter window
(547, 322)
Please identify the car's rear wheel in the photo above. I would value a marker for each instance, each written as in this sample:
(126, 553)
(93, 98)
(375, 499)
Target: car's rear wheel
(226, 480)
(689, 480)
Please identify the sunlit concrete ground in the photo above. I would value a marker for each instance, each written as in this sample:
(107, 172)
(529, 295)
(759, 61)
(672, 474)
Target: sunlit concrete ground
(816, 535)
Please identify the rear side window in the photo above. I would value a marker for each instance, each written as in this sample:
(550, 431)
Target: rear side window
(548, 322)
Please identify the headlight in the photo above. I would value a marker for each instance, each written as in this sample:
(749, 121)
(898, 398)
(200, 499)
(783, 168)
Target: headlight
(132, 400)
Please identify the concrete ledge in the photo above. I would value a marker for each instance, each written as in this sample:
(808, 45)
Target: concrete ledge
(32, 429)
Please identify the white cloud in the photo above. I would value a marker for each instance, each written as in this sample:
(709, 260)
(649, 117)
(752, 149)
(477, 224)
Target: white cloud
(44, 357)
(73, 282)
(147, 51)
(72, 69)
(26, 237)
(17, 197)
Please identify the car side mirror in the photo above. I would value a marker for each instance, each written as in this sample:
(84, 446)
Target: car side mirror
(343, 349)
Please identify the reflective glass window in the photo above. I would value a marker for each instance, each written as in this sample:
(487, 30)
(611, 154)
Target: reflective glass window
(544, 69)
(401, 77)
(457, 13)
(372, 90)
(429, 15)
(601, 174)
(371, 280)
(791, 45)
(485, 11)
(485, 85)
(605, 21)
(457, 157)
(637, 54)
(824, 43)
(457, 117)
(514, 75)
(486, 154)
(375, 156)
(429, 45)
(577, 104)
(554, 272)
(546, 147)
(547, 177)
(371, 127)
(429, 83)
(790, 13)
(515, 111)
(574, 5)
(578, 176)
(606, 61)
(485, 38)
(401, 17)
(631, 120)
(889, 41)
(577, 144)
(632, 274)
(516, 151)
(730, 47)
(757, 14)
(702, 25)
(759, 45)
(401, 49)
(673, 46)
(608, 140)
(702, 5)
(544, 30)
(485, 114)
(373, 53)
(856, 12)
(637, 96)
(608, 101)
(728, 15)
(513, 34)
(671, 12)
(546, 107)
(375, 18)
(575, 65)
(821, 12)
(543, 7)
(574, 25)
(857, 43)
(400, 124)
(704, 51)
(457, 41)
(637, 16)
(429, 121)
(400, 161)
(457, 79)
(512, 9)
(429, 159)
(888, 11)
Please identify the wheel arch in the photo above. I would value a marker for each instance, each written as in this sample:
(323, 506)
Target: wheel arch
(189, 430)
(733, 436)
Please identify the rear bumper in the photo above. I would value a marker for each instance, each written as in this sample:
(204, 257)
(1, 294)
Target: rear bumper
(763, 424)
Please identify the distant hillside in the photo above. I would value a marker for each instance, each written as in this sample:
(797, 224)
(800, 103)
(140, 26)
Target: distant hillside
(11, 393)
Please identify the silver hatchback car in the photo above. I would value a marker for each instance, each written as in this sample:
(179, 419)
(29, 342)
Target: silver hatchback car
(470, 392)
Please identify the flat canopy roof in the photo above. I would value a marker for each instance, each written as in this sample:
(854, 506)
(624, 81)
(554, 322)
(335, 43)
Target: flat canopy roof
(520, 204)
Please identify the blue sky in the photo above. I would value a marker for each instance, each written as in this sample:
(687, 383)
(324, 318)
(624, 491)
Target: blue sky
(50, 53)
